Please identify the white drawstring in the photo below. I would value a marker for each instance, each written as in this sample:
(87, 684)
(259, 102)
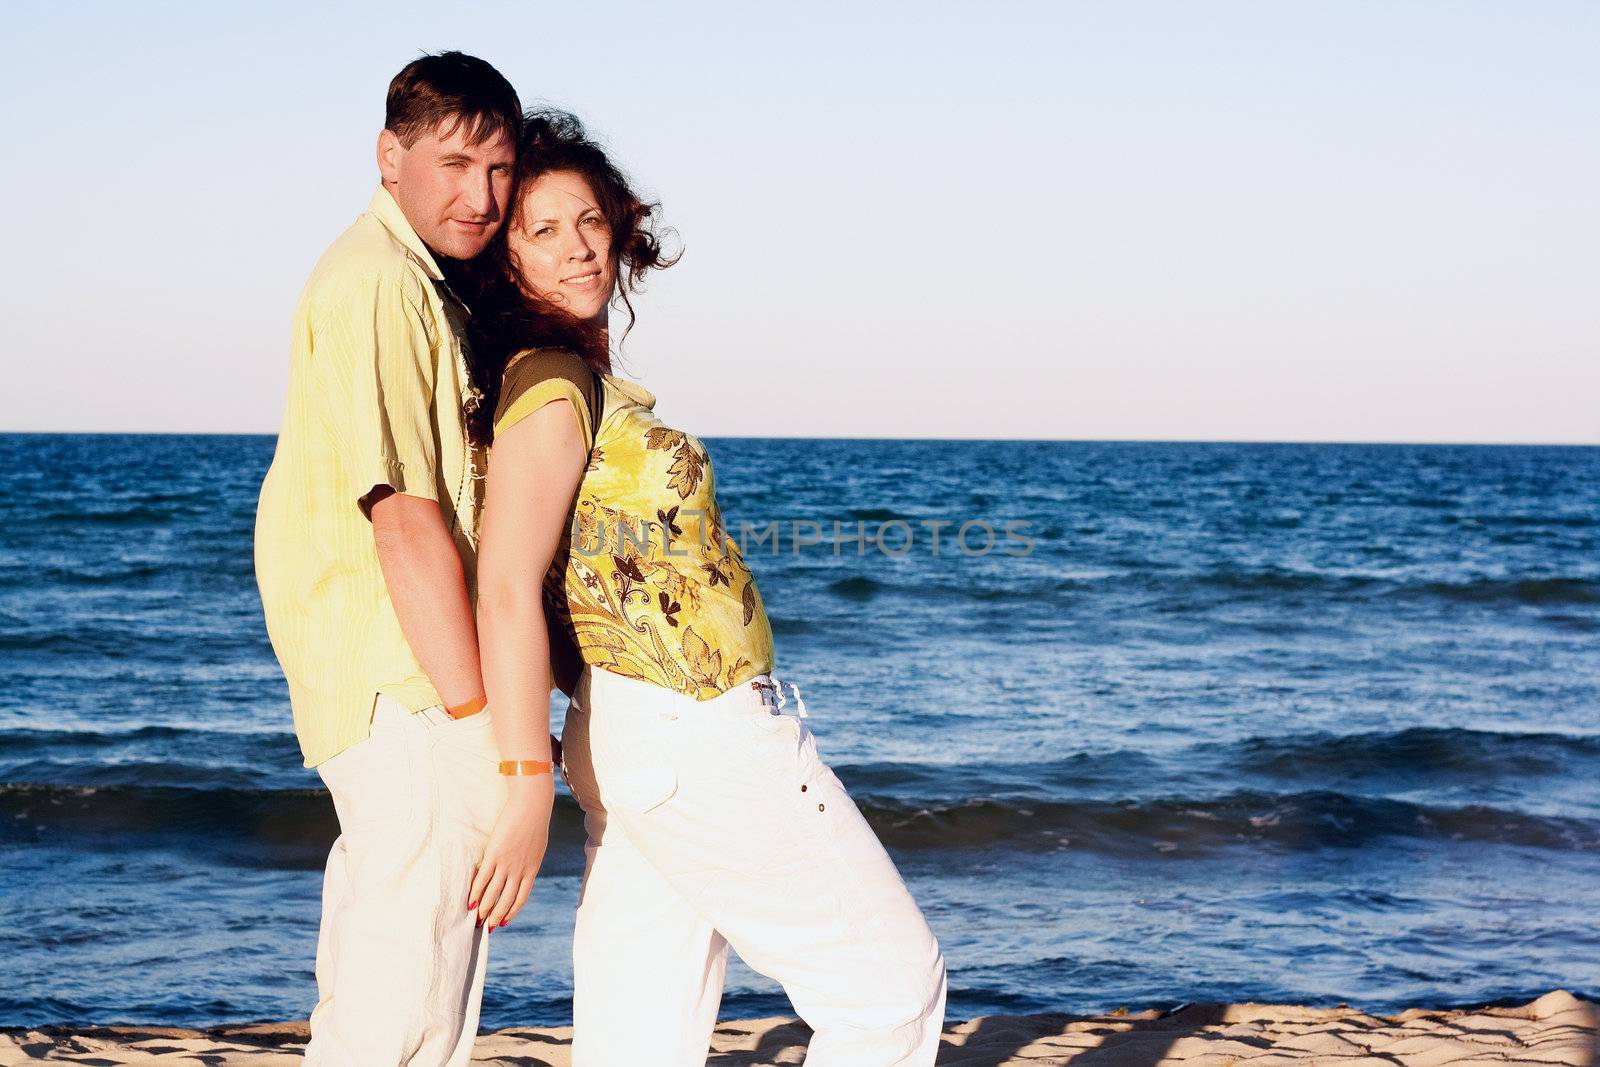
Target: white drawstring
(800, 704)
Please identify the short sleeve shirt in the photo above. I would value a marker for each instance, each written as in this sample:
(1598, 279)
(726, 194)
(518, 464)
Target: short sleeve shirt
(649, 585)
(377, 381)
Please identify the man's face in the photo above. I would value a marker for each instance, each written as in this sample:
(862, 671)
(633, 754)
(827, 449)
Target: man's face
(455, 195)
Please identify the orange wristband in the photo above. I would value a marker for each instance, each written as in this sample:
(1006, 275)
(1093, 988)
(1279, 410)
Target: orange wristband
(471, 707)
(524, 766)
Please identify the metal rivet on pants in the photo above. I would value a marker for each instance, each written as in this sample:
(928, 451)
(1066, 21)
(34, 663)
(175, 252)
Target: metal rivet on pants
(802, 789)
(822, 807)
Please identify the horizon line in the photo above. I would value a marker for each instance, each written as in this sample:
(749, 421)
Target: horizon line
(886, 437)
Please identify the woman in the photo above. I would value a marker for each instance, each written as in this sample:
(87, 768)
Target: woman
(711, 820)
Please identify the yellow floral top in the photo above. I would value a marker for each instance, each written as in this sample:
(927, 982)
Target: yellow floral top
(648, 582)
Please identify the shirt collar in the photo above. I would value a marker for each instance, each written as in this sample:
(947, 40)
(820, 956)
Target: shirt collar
(387, 211)
(633, 391)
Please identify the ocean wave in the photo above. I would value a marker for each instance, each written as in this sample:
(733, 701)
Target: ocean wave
(1412, 757)
(55, 739)
(1419, 750)
(1401, 761)
(857, 588)
(1534, 591)
(1272, 581)
(177, 772)
(876, 515)
(1046, 590)
(1264, 583)
(294, 827)
(291, 828)
(1293, 822)
(136, 515)
(146, 639)
(100, 574)
(73, 637)
(1576, 522)
(1275, 580)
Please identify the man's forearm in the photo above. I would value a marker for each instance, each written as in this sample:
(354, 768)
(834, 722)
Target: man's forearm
(428, 588)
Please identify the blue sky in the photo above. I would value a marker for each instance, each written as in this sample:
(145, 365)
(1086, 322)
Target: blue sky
(1238, 221)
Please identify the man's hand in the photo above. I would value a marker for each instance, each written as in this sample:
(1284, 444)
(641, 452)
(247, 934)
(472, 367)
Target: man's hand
(504, 875)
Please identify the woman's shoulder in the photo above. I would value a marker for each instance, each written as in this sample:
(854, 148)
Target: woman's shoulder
(549, 372)
(537, 364)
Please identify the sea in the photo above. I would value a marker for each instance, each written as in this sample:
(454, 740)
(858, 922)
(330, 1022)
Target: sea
(1152, 723)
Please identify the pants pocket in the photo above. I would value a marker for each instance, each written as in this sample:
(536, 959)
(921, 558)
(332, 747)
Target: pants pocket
(759, 731)
(631, 755)
(440, 719)
(640, 790)
(373, 782)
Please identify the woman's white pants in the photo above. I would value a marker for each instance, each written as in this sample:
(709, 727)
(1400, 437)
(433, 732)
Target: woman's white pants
(714, 823)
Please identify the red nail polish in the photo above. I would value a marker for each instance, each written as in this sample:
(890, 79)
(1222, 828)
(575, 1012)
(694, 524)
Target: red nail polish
(474, 904)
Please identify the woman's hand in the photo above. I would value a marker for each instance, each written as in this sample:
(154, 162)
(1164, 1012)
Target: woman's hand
(504, 875)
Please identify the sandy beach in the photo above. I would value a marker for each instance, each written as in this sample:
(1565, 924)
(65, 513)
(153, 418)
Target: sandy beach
(1557, 1028)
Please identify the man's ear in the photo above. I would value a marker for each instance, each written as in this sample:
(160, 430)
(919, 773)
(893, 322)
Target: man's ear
(389, 149)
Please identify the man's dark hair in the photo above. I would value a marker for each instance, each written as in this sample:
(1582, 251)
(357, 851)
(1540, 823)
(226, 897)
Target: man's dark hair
(441, 92)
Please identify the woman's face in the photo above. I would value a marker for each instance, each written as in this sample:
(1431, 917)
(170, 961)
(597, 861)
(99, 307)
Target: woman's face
(561, 245)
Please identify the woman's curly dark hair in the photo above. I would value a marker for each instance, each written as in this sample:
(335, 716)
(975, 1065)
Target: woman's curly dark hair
(506, 319)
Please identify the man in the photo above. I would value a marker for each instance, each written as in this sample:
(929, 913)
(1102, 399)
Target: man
(365, 557)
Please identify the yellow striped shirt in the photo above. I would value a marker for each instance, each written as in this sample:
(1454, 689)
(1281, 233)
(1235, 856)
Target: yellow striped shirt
(376, 384)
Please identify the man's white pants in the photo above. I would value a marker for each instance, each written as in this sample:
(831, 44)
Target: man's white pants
(400, 960)
(713, 823)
